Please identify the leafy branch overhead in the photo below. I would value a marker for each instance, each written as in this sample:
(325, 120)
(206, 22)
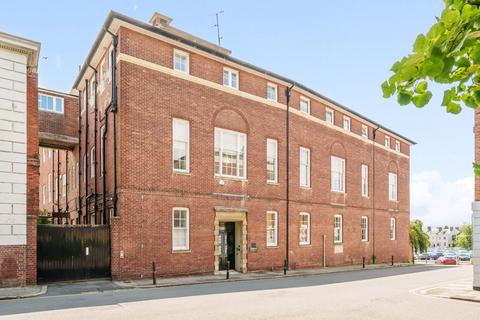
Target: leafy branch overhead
(449, 53)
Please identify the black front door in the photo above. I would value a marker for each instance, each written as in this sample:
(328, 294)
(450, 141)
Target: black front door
(227, 235)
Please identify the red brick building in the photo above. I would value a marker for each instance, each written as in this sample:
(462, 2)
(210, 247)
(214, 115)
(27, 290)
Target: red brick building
(185, 155)
(58, 182)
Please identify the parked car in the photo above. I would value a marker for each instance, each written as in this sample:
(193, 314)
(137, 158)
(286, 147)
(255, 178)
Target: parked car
(423, 256)
(449, 259)
(463, 255)
(436, 254)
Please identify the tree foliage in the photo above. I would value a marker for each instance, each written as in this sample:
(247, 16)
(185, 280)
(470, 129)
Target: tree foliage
(464, 239)
(418, 238)
(449, 53)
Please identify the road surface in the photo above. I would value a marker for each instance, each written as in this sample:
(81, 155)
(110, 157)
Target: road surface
(373, 294)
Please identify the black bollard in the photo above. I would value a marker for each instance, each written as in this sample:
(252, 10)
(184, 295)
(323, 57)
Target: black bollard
(228, 270)
(392, 261)
(363, 263)
(285, 266)
(154, 273)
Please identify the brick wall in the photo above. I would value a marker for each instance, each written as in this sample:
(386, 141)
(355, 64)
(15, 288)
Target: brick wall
(150, 97)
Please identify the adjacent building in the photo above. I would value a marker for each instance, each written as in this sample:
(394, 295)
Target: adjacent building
(200, 161)
(18, 159)
(442, 237)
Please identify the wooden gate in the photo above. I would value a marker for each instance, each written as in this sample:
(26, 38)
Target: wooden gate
(72, 252)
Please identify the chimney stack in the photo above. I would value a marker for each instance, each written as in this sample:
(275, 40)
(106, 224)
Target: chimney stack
(159, 20)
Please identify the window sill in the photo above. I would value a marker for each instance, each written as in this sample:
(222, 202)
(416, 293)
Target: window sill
(305, 188)
(182, 173)
(338, 192)
(181, 251)
(272, 183)
(366, 197)
(304, 245)
(365, 241)
(337, 242)
(272, 247)
(230, 178)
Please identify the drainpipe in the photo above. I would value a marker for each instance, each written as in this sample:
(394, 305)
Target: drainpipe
(373, 192)
(288, 93)
(53, 182)
(58, 180)
(79, 160)
(87, 216)
(95, 203)
(67, 183)
(113, 109)
(104, 169)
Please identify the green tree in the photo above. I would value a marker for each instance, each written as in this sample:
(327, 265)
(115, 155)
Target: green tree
(464, 239)
(418, 238)
(449, 53)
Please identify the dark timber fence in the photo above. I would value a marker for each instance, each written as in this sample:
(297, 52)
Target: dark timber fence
(72, 252)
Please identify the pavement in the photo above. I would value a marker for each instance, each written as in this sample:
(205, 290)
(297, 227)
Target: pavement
(384, 293)
(458, 290)
(22, 292)
(78, 287)
(255, 275)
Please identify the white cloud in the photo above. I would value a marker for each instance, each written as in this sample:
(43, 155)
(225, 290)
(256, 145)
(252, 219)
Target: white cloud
(438, 202)
(135, 7)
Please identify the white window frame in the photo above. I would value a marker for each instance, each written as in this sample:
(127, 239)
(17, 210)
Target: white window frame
(92, 163)
(274, 228)
(84, 100)
(392, 186)
(275, 87)
(54, 101)
(393, 229)
(307, 241)
(50, 195)
(49, 153)
(184, 54)
(64, 184)
(346, 123)
(187, 236)
(221, 131)
(307, 165)
(307, 102)
(397, 146)
(187, 142)
(43, 154)
(229, 83)
(364, 180)
(110, 63)
(365, 131)
(338, 227)
(364, 229)
(341, 187)
(44, 191)
(332, 112)
(387, 142)
(274, 142)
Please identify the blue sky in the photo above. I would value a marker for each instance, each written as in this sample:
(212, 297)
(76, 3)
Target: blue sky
(342, 49)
